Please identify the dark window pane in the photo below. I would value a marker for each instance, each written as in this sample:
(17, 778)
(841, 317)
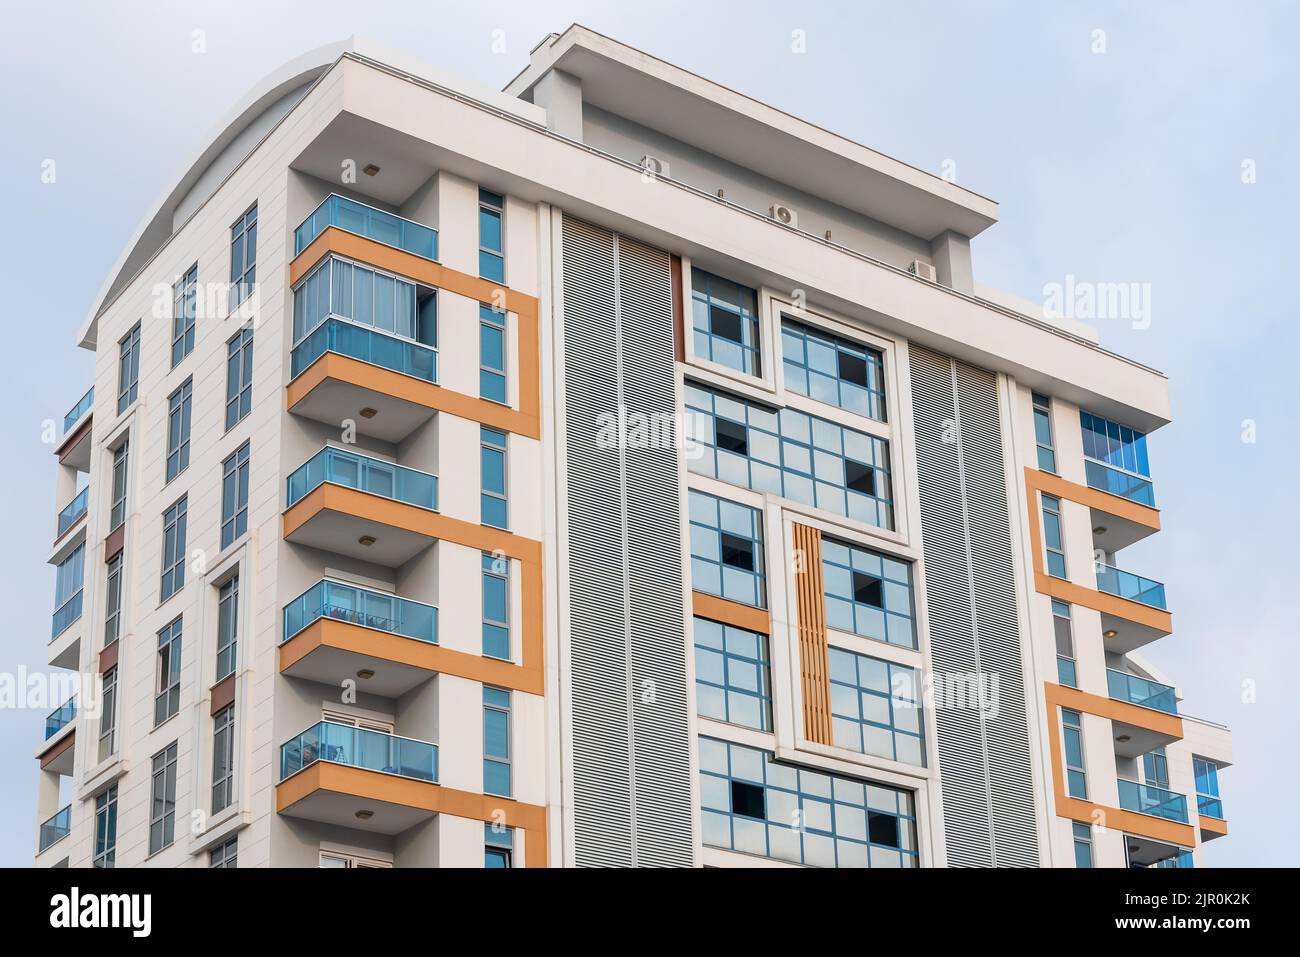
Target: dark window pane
(747, 800)
(867, 590)
(882, 828)
(853, 369)
(859, 477)
(732, 436)
(725, 324)
(737, 552)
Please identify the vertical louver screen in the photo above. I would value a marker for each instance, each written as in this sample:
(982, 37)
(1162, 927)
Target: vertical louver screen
(987, 782)
(630, 730)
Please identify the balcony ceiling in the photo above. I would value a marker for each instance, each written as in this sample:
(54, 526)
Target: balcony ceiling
(340, 809)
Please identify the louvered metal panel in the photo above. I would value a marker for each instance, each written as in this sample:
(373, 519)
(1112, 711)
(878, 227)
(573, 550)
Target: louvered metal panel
(986, 777)
(630, 726)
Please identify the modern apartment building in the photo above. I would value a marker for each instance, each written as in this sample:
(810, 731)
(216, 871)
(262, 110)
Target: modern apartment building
(611, 470)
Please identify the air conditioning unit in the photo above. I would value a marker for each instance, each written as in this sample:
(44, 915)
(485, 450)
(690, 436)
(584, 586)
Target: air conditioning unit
(922, 270)
(784, 214)
(654, 166)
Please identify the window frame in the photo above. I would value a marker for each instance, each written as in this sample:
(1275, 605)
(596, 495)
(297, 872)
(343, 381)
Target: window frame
(185, 297)
(235, 478)
(179, 414)
(1053, 514)
(119, 470)
(489, 446)
(243, 274)
(107, 714)
(163, 767)
(175, 522)
(491, 573)
(875, 359)
(104, 849)
(128, 364)
(701, 303)
(168, 663)
(706, 539)
(1041, 406)
(1072, 725)
(223, 759)
(487, 319)
(703, 632)
(486, 206)
(239, 387)
(498, 702)
(227, 643)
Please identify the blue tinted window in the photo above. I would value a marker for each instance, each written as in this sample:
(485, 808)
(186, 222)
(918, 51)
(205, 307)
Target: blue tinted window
(493, 472)
(875, 707)
(492, 354)
(727, 549)
(496, 606)
(1117, 445)
(725, 322)
(732, 677)
(868, 593)
(833, 370)
(496, 741)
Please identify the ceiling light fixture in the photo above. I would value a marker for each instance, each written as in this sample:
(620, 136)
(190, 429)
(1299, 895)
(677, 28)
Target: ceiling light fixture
(365, 674)
(369, 413)
(365, 815)
(366, 540)
(1111, 633)
(370, 170)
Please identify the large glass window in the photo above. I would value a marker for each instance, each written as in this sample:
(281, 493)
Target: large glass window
(788, 453)
(754, 804)
(225, 855)
(732, 675)
(105, 828)
(727, 549)
(117, 509)
(875, 707)
(496, 605)
(1208, 803)
(496, 741)
(178, 429)
(868, 593)
(227, 626)
(366, 297)
(491, 242)
(239, 376)
(725, 322)
(69, 577)
(1063, 627)
(1043, 432)
(1076, 776)
(492, 458)
(492, 354)
(1052, 536)
(243, 256)
(162, 804)
(1155, 768)
(1082, 844)
(223, 758)
(833, 370)
(234, 495)
(128, 369)
(108, 714)
(113, 600)
(173, 557)
(185, 301)
(1117, 445)
(167, 683)
(498, 847)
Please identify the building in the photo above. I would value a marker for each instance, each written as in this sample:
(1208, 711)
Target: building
(612, 470)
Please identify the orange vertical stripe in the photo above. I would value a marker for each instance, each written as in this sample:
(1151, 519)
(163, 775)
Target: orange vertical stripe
(814, 665)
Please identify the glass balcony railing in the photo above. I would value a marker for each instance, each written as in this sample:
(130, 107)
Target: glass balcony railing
(60, 718)
(66, 614)
(1207, 805)
(74, 510)
(56, 828)
(364, 474)
(1122, 584)
(360, 606)
(77, 411)
(1135, 488)
(1148, 799)
(360, 748)
(353, 217)
(1141, 691)
(367, 345)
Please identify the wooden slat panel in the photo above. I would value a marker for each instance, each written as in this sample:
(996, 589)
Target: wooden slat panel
(810, 600)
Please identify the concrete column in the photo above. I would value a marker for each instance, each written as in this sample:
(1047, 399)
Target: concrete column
(560, 94)
(951, 254)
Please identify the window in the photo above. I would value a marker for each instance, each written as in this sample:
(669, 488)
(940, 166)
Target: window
(128, 369)
(69, 576)
(223, 758)
(225, 855)
(732, 675)
(724, 317)
(496, 741)
(727, 549)
(1076, 778)
(491, 251)
(167, 686)
(162, 805)
(1066, 672)
(790, 454)
(868, 593)
(496, 606)
(105, 828)
(1116, 445)
(178, 429)
(1155, 768)
(173, 561)
(833, 370)
(113, 601)
(108, 714)
(243, 256)
(1053, 537)
(234, 496)
(117, 510)
(333, 859)
(492, 354)
(1043, 432)
(227, 626)
(498, 847)
(1207, 788)
(184, 312)
(492, 459)
(875, 707)
(754, 804)
(239, 376)
(364, 297)
(1082, 844)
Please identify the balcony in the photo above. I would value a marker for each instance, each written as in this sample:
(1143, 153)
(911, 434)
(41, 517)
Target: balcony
(362, 220)
(73, 512)
(55, 829)
(1126, 585)
(358, 778)
(73, 449)
(60, 718)
(1153, 801)
(368, 345)
(66, 615)
(1141, 692)
(352, 504)
(1209, 806)
(1113, 481)
(346, 630)
(83, 406)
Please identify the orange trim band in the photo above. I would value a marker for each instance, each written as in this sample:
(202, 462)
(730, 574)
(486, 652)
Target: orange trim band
(1094, 498)
(731, 612)
(814, 662)
(527, 418)
(1122, 711)
(374, 786)
(385, 511)
(1216, 826)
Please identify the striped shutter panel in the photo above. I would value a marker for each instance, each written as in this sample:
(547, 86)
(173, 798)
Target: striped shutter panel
(986, 780)
(630, 726)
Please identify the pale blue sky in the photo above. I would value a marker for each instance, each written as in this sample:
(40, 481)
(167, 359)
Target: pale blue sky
(1118, 166)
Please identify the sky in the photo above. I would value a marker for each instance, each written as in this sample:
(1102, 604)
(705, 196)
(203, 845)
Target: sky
(1154, 143)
